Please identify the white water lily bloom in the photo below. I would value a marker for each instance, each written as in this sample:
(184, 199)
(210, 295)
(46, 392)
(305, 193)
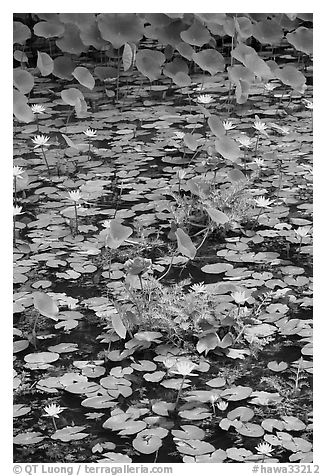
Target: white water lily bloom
(90, 132)
(263, 202)
(245, 141)
(264, 449)
(303, 231)
(222, 405)
(198, 288)
(260, 127)
(106, 223)
(53, 410)
(38, 108)
(259, 162)
(182, 173)
(169, 362)
(17, 171)
(213, 398)
(40, 141)
(184, 367)
(228, 125)
(239, 297)
(270, 86)
(75, 195)
(205, 99)
(17, 210)
(308, 104)
(179, 134)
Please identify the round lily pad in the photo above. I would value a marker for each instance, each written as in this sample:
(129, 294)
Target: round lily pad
(189, 432)
(216, 268)
(147, 444)
(251, 429)
(103, 401)
(41, 357)
(28, 438)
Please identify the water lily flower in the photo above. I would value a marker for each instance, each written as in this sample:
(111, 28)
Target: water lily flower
(228, 125)
(37, 108)
(259, 162)
(182, 173)
(260, 126)
(213, 398)
(270, 86)
(75, 195)
(205, 99)
(184, 368)
(198, 288)
(222, 405)
(264, 449)
(137, 265)
(17, 171)
(263, 202)
(245, 141)
(179, 134)
(17, 210)
(53, 410)
(41, 141)
(90, 132)
(308, 104)
(302, 231)
(169, 362)
(239, 297)
(106, 223)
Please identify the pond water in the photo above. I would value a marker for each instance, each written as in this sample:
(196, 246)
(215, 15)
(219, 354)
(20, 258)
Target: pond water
(253, 380)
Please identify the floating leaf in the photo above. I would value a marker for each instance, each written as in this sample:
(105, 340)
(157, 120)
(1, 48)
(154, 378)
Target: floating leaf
(277, 366)
(194, 447)
(28, 438)
(242, 413)
(147, 444)
(216, 268)
(70, 433)
(84, 77)
(116, 234)
(41, 357)
(20, 345)
(20, 410)
(236, 393)
(216, 382)
(185, 245)
(199, 413)
(154, 377)
(45, 305)
(251, 429)
(103, 401)
(189, 432)
(163, 408)
(115, 458)
(64, 347)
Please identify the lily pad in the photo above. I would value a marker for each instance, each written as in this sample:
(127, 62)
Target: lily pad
(189, 432)
(147, 444)
(70, 433)
(28, 438)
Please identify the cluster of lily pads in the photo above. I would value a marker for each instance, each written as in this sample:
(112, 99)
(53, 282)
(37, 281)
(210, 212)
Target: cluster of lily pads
(162, 270)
